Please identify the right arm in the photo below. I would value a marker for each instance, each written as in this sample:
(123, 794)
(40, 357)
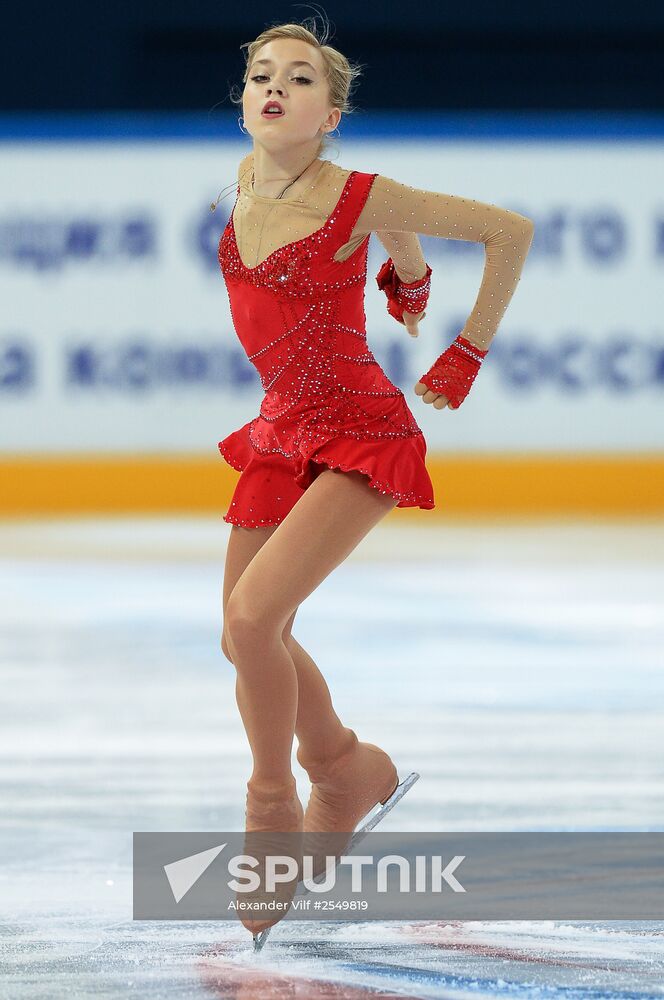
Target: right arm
(405, 250)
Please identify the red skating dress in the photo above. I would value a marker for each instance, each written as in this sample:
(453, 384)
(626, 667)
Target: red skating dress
(328, 403)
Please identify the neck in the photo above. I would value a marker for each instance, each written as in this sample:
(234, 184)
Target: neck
(274, 169)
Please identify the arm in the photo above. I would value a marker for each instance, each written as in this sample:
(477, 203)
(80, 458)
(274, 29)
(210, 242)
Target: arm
(406, 252)
(393, 207)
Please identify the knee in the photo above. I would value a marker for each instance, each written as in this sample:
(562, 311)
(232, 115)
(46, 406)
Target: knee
(224, 645)
(245, 627)
(286, 637)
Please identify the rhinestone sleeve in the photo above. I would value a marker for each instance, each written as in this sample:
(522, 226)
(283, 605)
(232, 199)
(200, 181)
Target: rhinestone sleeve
(507, 236)
(405, 250)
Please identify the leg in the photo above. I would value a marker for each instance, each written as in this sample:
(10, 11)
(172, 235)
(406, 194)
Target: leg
(318, 728)
(320, 532)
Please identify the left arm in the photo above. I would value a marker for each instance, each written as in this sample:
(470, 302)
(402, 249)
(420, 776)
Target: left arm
(393, 207)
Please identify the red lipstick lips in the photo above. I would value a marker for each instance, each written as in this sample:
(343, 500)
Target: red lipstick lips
(266, 113)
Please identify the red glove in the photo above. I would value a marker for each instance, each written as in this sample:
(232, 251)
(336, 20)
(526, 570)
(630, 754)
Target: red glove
(401, 296)
(453, 373)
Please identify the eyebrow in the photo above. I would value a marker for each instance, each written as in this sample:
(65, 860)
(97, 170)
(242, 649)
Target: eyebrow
(301, 62)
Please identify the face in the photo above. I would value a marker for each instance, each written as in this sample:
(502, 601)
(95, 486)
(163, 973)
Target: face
(301, 90)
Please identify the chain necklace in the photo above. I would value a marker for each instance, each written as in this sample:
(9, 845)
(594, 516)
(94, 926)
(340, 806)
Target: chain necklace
(290, 183)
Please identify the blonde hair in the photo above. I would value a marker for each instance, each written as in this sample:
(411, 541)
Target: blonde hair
(339, 72)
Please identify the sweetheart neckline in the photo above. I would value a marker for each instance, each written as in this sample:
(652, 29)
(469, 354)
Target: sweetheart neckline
(293, 243)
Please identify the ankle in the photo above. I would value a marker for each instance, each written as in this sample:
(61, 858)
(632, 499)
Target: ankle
(313, 761)
(270, 788)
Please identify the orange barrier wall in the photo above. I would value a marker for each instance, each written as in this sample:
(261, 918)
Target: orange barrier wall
(524, 484)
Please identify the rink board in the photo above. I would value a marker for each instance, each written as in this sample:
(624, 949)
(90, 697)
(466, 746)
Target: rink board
(463, 485)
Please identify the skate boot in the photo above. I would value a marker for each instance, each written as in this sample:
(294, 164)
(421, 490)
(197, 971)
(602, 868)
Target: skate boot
(273, 826)
(344, 789)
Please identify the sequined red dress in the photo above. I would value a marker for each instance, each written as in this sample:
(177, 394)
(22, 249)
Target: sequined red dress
(328, 404)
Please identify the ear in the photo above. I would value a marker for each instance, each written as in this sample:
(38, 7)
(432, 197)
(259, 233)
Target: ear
(333, 119)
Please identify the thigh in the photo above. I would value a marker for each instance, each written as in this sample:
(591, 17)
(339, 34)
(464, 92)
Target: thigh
(334, 514)
(243, 544)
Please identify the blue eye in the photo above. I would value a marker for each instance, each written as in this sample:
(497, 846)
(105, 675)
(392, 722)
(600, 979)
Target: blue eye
(261, 76)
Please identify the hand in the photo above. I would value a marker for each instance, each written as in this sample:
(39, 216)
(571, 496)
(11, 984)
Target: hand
(454, 372)
(410, 321)
(439, 401)
(401, 295)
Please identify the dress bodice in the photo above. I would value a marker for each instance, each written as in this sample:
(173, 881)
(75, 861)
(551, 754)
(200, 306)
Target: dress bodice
(300, 298)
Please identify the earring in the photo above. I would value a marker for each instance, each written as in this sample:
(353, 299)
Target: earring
(330, 134)
(240, 122)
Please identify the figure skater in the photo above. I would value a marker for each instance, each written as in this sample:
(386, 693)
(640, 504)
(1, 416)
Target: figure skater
(335, 446)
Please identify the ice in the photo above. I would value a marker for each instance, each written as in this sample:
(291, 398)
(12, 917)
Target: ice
(517, 666)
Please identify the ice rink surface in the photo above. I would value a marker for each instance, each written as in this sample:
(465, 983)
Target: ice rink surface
(518, 667)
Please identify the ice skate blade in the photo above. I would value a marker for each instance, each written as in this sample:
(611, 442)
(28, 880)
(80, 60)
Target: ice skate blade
(360, 833)
(370, 824)
(390, 803)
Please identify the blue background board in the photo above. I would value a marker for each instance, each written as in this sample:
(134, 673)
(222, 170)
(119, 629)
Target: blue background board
(217, 126)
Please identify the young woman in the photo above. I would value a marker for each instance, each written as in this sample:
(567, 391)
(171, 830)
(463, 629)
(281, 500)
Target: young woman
(335, 446)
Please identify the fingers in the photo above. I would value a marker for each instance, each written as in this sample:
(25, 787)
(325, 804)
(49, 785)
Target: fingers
(411, 320)
(439, 401)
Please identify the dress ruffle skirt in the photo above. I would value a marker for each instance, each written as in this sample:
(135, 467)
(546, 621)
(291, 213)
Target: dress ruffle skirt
(277, 469)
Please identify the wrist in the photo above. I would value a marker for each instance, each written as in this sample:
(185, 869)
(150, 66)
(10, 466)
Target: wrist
(402, 296)
(475, 343)
(409, 277)
(412, 296)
